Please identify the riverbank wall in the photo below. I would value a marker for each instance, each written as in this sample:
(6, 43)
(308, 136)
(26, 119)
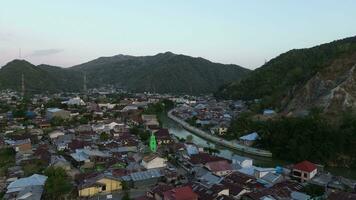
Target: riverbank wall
(219, 141)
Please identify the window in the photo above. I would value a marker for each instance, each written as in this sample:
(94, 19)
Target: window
(103, 188)
(305, 175)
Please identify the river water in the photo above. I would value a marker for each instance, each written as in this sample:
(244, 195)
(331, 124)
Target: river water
(177, 130)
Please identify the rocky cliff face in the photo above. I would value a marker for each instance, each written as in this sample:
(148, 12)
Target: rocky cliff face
(333, 90)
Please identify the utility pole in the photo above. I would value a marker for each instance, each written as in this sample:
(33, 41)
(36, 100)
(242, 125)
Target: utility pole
(23, 86)
(85, 82)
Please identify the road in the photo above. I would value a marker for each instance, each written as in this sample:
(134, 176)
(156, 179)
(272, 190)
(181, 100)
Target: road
(220, 141)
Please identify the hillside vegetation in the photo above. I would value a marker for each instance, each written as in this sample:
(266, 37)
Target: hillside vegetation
(162, 73)
(280, 80)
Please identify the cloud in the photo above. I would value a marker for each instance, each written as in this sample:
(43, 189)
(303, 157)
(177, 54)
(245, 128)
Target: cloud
(45, 52)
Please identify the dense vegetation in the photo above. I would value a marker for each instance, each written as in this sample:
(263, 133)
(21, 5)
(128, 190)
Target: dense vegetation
(7, 159)
(164, 73)
(308, 138)
(38, 79)
(58, 184)
(276, 80)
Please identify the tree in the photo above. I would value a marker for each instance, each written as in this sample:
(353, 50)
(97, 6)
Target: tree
(57, 121)
(104, 136)
(58, 183)
(189, 138)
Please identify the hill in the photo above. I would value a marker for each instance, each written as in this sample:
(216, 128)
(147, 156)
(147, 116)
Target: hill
(300, 79)
(163, 73)
(41, 78)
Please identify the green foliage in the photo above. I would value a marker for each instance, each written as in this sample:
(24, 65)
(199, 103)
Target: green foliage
(158, 108)
(104, 136)
(274, 80)
(163, 73)
(189, 138)
(144, 135)
(34, 166)
(57, 121)
(310, 138)
(39, 79)
(58, 183)
(7, 159)
(314, 190)
(141, 133)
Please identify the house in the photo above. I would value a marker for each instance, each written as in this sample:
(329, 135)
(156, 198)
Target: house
(220, 168)
(143, 178)
(304, 171)
(26, 188)
(74, 101)
(99, 184)
(191, 149)
(61, 142)
(153, 161)
(150, 121)
(55, 134)
(244, 162)
(56, 112)
(163, 137)
(22, 146)
(249, 139)
(60, 161)
(157, 191)
(271, 178)
(181, 193)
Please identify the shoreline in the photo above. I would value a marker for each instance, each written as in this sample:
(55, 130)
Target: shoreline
(219, 141)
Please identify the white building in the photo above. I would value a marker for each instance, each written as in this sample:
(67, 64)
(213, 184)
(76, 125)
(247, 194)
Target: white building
(153, 161)
(74, 101)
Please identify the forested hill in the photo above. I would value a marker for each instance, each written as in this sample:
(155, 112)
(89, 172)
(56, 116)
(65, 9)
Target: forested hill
(321, 76)
(163, 73)
(38, 79)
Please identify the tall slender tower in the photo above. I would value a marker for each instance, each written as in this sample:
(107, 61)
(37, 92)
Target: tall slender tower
(153, 143)
(23, 85)
(85, 82)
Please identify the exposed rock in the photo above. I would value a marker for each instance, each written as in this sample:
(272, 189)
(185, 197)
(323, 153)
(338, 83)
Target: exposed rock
(332, 90)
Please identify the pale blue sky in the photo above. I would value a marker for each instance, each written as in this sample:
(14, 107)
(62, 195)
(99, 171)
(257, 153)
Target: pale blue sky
(69, 32)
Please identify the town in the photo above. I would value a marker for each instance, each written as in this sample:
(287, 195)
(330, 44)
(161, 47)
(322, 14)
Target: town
(109, 144)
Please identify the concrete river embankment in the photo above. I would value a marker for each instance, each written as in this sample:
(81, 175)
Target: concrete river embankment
(220, 141)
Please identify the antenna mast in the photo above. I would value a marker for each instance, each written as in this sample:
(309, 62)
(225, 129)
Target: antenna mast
(85, 82)
(23, 85)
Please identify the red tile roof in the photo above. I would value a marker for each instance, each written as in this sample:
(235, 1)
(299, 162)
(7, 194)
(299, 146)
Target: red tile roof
(182, 193)
(305, 166)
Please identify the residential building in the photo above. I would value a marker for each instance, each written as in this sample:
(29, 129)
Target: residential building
(181, 193)
(153, 161)
(304, 171)
(99, 184)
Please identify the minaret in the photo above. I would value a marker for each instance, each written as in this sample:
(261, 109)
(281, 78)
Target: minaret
(153, 143)
(23, 85)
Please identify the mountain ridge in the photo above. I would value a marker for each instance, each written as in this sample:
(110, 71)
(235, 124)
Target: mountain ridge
(164, 73)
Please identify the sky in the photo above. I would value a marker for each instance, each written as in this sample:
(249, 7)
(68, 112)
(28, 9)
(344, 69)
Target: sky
(248, 33)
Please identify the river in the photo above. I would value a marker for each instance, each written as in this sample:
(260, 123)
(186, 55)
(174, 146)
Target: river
(177, 130)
